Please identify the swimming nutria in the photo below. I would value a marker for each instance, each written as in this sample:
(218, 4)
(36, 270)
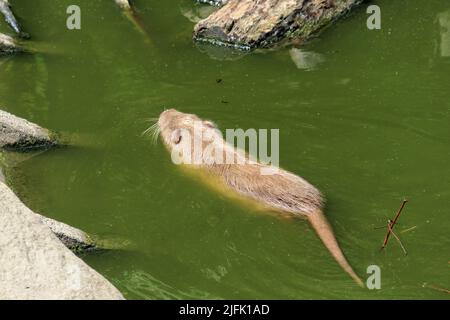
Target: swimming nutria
(281, 190)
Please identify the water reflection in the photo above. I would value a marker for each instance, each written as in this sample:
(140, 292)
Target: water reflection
(195, 13)
(444, 41)
(306, 60)
(145, 286)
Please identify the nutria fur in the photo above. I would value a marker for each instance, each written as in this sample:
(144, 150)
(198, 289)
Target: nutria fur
(281, 190)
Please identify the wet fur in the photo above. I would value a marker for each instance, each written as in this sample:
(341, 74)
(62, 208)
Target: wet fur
(282, 190)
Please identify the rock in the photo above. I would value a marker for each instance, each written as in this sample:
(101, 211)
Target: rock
(123, 4)
(8, 45)
(250, 24)
(34, 264)
(73, 238)
(19, 134)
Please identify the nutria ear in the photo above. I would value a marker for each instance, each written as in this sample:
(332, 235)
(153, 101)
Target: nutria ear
(176, 136)
(209, 124)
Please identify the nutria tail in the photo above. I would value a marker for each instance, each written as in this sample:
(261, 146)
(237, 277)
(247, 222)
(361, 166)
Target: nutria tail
(323, 229)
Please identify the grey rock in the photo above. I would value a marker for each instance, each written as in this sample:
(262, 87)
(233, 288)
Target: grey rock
(35, 264)
(73, 238)
(20, 134)
(8, 45)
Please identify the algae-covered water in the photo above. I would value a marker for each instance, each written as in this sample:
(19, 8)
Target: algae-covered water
(364, 115)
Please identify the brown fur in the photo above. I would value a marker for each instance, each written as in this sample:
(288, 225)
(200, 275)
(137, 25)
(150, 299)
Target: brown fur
(281, 190)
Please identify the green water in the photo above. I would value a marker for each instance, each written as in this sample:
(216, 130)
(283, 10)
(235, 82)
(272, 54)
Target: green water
(368, 126)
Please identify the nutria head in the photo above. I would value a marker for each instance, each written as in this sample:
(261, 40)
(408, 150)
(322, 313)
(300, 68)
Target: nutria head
(187, 134)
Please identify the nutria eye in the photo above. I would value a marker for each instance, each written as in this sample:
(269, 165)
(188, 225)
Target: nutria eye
(176, 136)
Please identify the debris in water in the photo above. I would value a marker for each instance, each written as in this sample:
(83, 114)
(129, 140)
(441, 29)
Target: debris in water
(436, 288)
(390, 226)
(408, 230)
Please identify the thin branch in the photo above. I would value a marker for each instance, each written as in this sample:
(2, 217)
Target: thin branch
(392, 224)
(398, 239)
(409, 229)
(431, 286)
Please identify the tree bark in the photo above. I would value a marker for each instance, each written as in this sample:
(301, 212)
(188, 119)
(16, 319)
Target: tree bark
(249, 24)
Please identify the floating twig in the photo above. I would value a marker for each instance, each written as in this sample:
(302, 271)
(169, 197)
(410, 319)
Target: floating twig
(398, 239)
(408, 230)
(391, 224)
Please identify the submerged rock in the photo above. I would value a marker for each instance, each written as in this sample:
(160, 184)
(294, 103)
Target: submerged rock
(35, 264)
(306, 60)
(19, 134)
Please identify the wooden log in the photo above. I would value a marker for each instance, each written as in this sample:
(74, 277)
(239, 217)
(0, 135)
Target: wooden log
(249, 24)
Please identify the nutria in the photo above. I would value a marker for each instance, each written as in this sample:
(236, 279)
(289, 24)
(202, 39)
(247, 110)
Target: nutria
(281, 190)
